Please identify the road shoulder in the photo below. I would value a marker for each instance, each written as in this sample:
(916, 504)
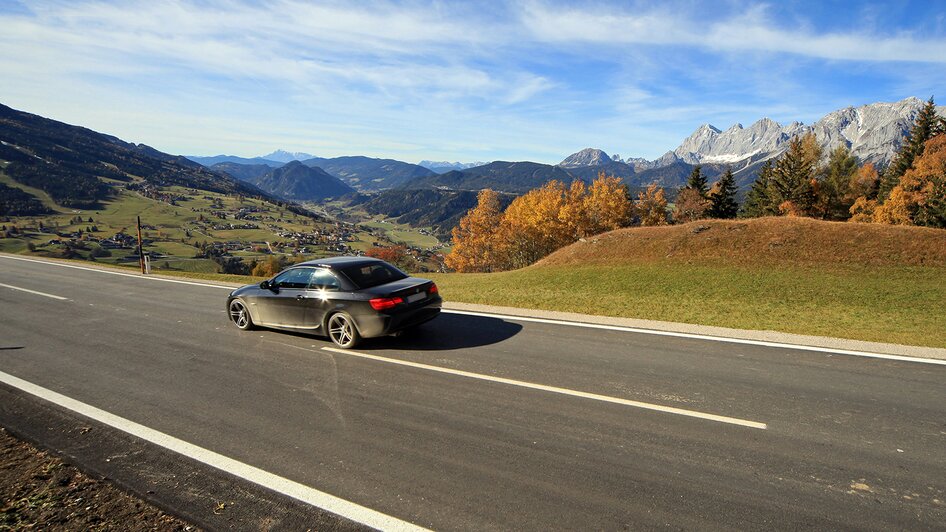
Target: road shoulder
(195, 492)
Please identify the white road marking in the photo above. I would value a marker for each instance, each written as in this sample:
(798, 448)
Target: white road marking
(725, 339)
(301, 492)
(553, 389)
(696, 336)
(44, 294)
(110, 272)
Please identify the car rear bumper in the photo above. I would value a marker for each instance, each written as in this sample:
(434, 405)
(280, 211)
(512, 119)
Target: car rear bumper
(381, 324)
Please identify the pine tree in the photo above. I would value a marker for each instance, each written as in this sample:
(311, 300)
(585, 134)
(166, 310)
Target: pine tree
(759, 200)
(697, 180)
(794, 177)
(835, 199)
(927, 125)
(723, 203)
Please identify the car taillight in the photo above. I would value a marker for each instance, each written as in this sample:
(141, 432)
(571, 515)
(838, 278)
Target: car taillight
(384, 303)
(433, 289)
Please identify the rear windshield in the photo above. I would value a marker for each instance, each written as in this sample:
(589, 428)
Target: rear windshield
(373, 274)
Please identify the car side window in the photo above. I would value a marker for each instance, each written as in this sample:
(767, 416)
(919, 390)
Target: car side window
(325, 280)
(294, 278)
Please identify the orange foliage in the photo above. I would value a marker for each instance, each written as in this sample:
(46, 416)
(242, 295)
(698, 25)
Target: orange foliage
(396, 255)
(536, 223)
(920, 188)
(270, 267)
(789, 208)
(652, 206)
(864, 182)
(896, 210)
(863, 210)
(607, 205)
(477, 243)
(690, 206)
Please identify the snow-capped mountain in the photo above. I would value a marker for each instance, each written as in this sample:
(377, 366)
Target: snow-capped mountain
(446, 166)
(586, 157)
(283, 156)
(872, 132)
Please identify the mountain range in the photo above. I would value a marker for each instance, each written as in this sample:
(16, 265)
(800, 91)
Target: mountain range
(442, 167)
(69, 162)
(872, 132)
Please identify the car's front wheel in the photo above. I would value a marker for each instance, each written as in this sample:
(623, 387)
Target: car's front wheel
(240, 315)
(342, 331)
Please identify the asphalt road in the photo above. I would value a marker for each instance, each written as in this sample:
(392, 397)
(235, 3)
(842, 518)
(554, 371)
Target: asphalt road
(849, 442)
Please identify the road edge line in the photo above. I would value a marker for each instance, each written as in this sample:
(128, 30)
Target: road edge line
(271, 481)
(698, 336)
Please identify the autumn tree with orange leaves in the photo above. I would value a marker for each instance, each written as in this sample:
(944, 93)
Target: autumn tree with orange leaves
(478, 245)
(396, 255)
(920, 196)
(651, 206)
(537, 223)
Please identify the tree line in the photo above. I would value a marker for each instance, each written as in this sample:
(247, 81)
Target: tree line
(911, 190)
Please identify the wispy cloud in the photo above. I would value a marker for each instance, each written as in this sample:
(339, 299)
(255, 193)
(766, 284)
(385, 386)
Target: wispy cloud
(752, 31)
(437, 79)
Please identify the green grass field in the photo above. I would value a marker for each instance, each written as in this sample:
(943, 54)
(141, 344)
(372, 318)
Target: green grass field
(884, 304)
(404, 233)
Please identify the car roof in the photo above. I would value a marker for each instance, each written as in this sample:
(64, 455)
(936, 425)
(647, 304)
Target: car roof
(339, 262)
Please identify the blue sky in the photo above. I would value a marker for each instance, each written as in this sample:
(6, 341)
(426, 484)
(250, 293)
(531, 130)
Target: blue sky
(530, 80)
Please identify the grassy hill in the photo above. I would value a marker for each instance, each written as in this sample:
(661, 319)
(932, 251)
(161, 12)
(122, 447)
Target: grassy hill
(858, 281)
(761, 242)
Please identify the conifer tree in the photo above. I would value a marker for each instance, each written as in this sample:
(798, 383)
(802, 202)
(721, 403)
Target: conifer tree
(794, 177)
(723, 202)
(835, 199)
(759, 200)
(697, 180)
(927, 125)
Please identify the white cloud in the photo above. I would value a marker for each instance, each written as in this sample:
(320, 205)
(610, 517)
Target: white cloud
(432, 79)
(752, 31)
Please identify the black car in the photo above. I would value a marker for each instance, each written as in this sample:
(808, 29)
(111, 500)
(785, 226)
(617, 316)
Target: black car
(344, 298)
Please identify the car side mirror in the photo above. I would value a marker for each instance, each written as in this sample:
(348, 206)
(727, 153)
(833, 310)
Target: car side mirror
(265, 285)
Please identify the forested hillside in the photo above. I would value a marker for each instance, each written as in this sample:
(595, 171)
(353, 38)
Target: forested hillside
(72, 163)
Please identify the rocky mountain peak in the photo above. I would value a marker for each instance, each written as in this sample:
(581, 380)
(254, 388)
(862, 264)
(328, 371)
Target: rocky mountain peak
(873, 132)
(586, 157)
(283, 156)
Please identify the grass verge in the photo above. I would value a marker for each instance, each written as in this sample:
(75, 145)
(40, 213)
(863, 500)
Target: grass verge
(894, 304)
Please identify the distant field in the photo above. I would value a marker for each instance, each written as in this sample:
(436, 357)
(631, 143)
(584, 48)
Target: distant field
(404, 233)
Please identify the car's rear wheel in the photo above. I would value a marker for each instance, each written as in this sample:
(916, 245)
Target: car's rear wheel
(342, 331)
(240, 315)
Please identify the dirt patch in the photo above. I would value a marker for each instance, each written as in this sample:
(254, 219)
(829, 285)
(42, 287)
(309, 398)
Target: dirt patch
(40, 491)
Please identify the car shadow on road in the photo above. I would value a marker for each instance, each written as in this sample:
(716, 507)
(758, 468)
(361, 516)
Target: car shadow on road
(448, 331)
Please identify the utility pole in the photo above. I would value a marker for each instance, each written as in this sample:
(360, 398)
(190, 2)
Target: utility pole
(141, 257)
